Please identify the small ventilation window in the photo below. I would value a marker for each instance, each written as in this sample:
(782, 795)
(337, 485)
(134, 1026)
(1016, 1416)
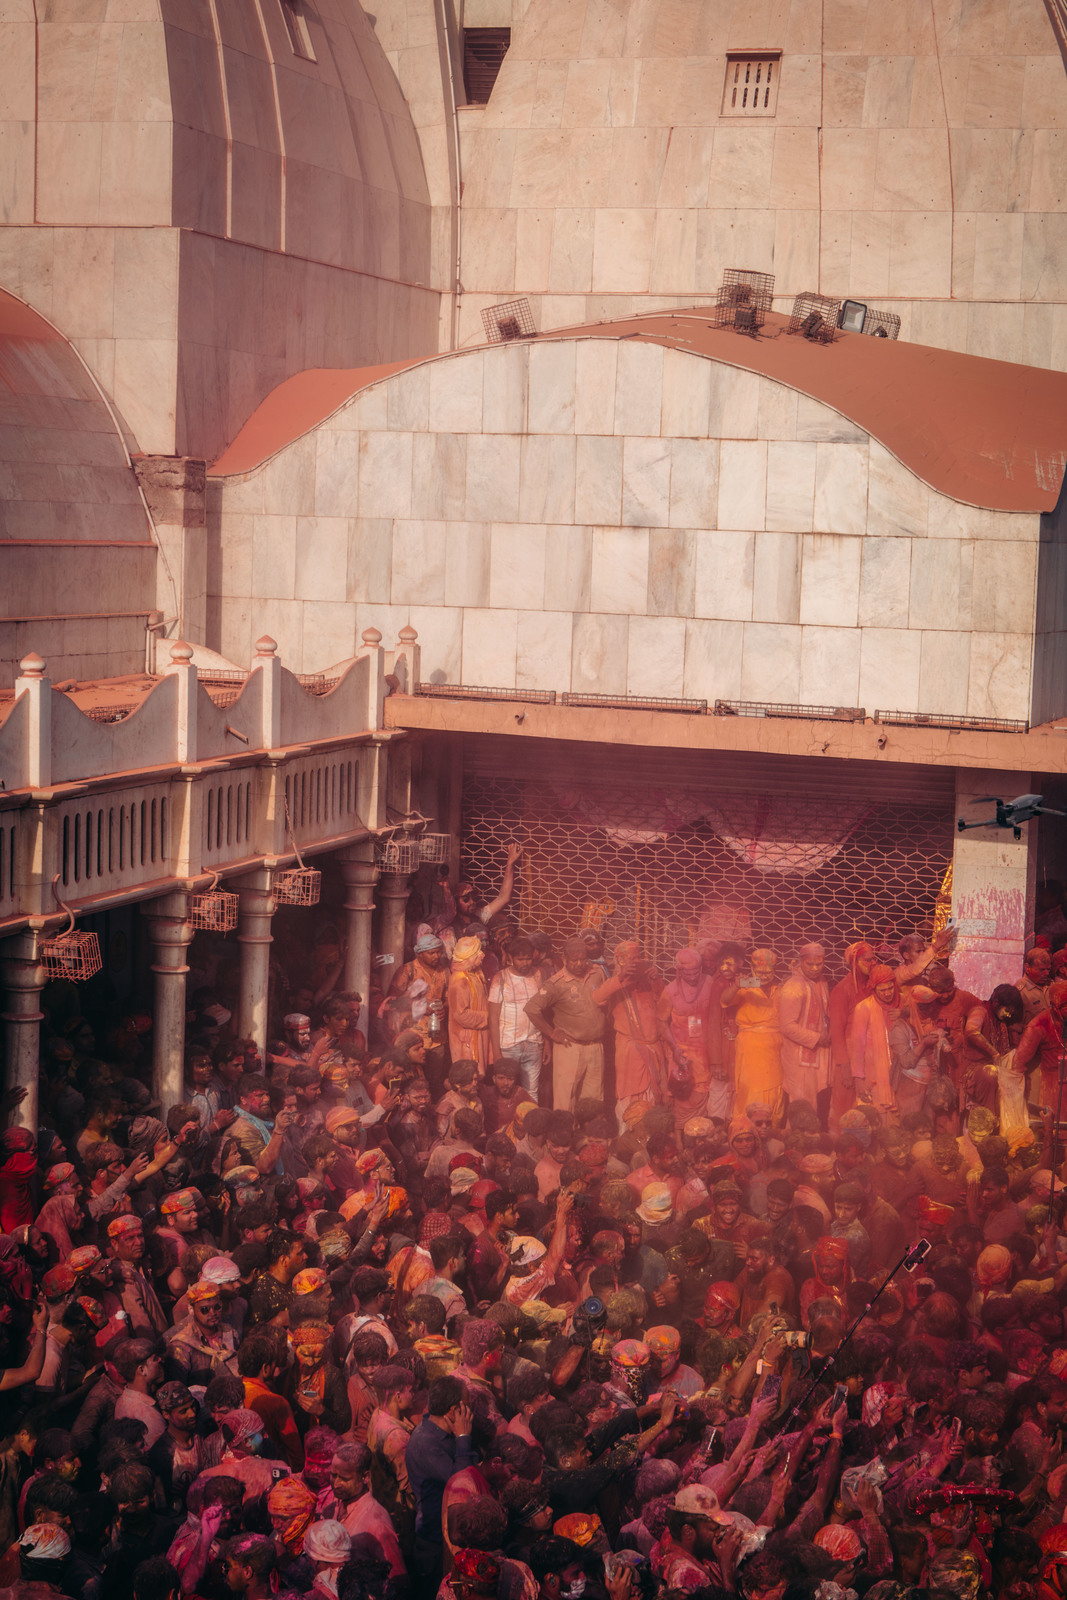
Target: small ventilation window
(296, 26)
(751, 88)
(484, 50)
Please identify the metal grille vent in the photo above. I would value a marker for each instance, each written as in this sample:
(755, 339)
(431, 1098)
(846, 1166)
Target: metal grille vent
(592, 856)
(751, 87)
(484, 50)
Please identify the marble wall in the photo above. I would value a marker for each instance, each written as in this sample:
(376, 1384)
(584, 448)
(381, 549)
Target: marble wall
(203, 210)
(915, 160)
(602, 515)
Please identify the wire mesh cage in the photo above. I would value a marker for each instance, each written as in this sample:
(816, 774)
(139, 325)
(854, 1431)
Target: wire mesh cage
(70, 955)
(743, 299)
(213, 911)
(297, 886)
(401, 855)
(435, 848)
(512, 319)
(815, 316)
(881, 324)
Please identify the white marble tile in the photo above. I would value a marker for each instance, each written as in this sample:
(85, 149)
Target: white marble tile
(467, 564)
(370, 410)
(622, 250)
(283, 620)
(596, 368)
(889, 669)
(504, 388)
(885, 583)
(733, 408)
(408, 400)
(639, 388)
(655, 662)
(790, 486)
(1005, 587)
(328, 629)
(598, 654)
(517, 565)
(897, 501)
(336, 474)
(273, 558)
(568, 558)
(841, 488)
(829, 666)
(936, 570)
(288, 481)
(439, 476)
(385, 474)
(235, 563)
(776, 578)
(544, 650)
(646, 482)
(370, 559)
(742, 485)
(694, 482)
(777, 410)
(770, 663)
(829, 579)
(456, 393)
(598, 480)
(944, 672)
(418, 577)
(492, 477)
(546, 478)
(671, 571)
(1000, 675)
(820, 423)
(551, 396)
(713, 660)
(489, 646)
(619, 573)
(440, 631)
(387, 619)
(724, 574)
(686, 395)
(321, 555)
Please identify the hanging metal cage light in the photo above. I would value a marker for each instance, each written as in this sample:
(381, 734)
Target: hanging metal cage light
(215, 910)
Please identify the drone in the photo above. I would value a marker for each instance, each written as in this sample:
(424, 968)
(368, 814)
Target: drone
(1012, 813)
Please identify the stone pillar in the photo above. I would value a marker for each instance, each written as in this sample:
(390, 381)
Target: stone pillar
(360, 875)
(23, 978)
(393, 891)
(994, 878)
(255, 938)
(175, 488)
(171, 934)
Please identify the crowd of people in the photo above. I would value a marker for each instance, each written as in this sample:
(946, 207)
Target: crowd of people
(558, 1277)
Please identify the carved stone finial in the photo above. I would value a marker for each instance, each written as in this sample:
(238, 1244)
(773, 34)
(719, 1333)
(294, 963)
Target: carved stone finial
(371, 638)
(408, 634)
(266, 646)
(181, 652)
(32, 666)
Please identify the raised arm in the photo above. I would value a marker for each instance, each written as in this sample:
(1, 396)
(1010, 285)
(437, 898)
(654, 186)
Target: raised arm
(507, 885)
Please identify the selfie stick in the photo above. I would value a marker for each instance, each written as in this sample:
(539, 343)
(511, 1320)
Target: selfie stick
(908, 1262)
(1056, 1118)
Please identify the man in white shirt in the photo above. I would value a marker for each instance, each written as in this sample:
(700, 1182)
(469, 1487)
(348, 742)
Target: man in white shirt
(511, 1033)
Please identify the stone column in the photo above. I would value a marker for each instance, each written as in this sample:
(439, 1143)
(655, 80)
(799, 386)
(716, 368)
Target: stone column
(23, 978)
(171, 934)
(360, 875)
(255, 938)
(994, 878)
(393, 891)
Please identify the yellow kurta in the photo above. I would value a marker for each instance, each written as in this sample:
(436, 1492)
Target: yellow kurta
(757, 1053)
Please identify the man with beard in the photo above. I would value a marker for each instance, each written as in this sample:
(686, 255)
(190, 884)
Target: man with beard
(139, 1532)
(203, 1344)
(804, 1021)
(764, 1282)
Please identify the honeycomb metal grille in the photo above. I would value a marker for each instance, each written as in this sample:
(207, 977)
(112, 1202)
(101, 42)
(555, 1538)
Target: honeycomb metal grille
(881, 880)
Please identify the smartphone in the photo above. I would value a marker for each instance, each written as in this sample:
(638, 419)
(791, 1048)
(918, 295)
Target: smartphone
(839, 1397)
(957, 1428)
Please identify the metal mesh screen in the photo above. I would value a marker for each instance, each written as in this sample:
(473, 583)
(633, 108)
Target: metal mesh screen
(881, 879)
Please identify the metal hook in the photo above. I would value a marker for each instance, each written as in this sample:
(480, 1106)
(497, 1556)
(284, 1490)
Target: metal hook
(63, 903)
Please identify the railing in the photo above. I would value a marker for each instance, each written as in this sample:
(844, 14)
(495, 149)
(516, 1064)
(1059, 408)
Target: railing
(229, 818)
(321, 796)
(111, 844)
